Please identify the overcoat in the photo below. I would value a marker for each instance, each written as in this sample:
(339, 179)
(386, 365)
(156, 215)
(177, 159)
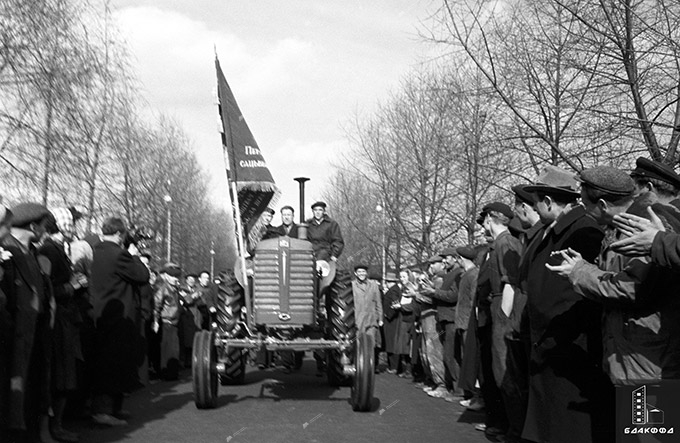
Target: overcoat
(25, 343)
(567, 385)
(115, 273)
(367, 308)
(66, 348)
(391, 317)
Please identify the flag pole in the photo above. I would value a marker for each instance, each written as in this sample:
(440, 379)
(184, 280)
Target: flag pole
(227, 143)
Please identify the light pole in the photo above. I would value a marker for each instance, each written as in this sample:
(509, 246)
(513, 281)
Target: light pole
(168, 204)
(380, 209)
(212, 259)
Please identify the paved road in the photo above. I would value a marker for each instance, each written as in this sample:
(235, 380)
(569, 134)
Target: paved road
(276, 407)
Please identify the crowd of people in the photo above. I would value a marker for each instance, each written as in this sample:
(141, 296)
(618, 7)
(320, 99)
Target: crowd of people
(573, 293)
(85, 321)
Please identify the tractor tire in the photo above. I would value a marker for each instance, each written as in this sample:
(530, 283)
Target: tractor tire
(230, 299)
(341, 325)
(364, 379)
(203, 370)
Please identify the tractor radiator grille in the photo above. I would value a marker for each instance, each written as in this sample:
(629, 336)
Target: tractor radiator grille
(283, 282)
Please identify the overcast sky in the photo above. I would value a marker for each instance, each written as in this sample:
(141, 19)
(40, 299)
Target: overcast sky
(300, 69)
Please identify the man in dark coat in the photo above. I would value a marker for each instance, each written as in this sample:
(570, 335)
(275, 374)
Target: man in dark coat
(24, 395)
(324, 233)
(288, 226)
(566, 398)
(116, 274)
(635, 292)
(446, 298)
(66, 347)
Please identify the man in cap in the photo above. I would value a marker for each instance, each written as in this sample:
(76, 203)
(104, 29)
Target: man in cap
(445, 298)
(647, 237)
(519, 343)
(25, 394)
(633, 291)
(656, 177)
(526, 214)
(432, 349)
(565, 328)
(466, 257)
(268, 230)
(367, 306)
(504, 256)
(324, 233)
(116, 275)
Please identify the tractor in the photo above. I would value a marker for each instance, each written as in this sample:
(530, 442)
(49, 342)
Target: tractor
(292, 303)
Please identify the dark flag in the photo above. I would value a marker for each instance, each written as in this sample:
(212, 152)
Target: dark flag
(246, 168)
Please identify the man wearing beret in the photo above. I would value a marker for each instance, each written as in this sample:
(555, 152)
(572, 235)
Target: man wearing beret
(368, 309)
(504, 256)
(25, 395)
(324, 233)
(640, 298)
(115, 276)
(565, 328)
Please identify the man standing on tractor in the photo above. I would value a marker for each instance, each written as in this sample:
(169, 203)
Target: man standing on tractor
(324, 233)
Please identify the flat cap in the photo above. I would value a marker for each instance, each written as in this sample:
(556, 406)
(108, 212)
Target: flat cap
(656, 170)
(607, 179)
(467, 252)
(522, 195)
(554, 180)
(499, 207)
(319, 204)
(26, 213)
(448, 251)
(435, 259)
(172, 269)
(361, 266)
(269, 211)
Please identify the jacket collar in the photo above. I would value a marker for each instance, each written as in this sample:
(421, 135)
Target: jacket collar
(569, 219)
(533, 230)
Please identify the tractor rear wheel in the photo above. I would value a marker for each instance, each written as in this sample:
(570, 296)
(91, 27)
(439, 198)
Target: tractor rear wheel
(341, 326)
(230, 299)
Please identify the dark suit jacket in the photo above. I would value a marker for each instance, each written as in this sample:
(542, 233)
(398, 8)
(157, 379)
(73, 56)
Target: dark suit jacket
(293, 233)
(115, 275)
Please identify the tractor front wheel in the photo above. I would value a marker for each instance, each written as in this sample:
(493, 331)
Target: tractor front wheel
(203, 370)
(364, 379)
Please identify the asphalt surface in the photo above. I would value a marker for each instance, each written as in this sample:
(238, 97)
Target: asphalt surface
(276, 407)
